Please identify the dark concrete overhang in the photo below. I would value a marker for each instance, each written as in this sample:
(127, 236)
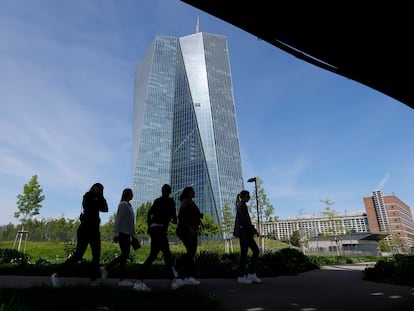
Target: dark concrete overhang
(368, 43)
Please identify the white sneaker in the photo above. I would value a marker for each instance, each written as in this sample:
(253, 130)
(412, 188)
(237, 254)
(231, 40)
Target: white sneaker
(175, 272)
(55, 280)
(244, 280)
(142, 287)
(177, 283)
(125, 283)
(253, 277)
(104, 272)
(191, 281)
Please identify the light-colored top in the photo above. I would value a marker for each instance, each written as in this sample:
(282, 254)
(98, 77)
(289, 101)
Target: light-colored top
(125, 220)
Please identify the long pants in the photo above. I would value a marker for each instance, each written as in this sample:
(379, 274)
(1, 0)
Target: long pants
(245, 244)
(124, 241)
(159, 243)
(85, 236)
(190, 243)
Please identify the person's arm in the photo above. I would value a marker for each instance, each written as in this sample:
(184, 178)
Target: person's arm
(117, 226)
(173, 212)
(244, 218)
(184, 216)
(245, 221)
(103, 206)
(150, 214)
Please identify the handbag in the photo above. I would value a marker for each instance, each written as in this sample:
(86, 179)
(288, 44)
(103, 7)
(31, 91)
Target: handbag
(135, 244)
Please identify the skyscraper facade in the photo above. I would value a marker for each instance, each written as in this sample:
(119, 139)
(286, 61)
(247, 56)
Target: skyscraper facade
(185, 127)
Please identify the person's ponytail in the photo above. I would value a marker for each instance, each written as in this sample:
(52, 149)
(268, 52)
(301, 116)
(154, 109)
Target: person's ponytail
(237, 199)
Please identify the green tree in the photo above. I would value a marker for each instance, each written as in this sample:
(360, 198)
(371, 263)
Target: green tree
(8, 232)
(141, 226)
(142, 212)
(330, 214)
(227, 227)
(328, 211)
(295, 238)
(209, 227)
(265, 208)
(107, 229)
(29, 203)
(385, 246)
(62, 229)
(227, 224)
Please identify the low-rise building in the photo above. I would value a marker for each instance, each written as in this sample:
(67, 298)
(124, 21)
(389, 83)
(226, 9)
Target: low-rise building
(386, 217)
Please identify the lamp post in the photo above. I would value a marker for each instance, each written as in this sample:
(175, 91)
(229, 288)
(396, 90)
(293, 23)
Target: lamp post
(254, 179)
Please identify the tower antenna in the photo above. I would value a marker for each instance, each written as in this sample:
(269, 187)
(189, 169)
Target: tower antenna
(198, 24)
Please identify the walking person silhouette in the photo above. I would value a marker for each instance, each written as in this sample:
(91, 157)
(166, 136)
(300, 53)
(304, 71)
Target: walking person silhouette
(124, 234)
(245, 231)
(189, 221)
(159, 216)
(88, 233)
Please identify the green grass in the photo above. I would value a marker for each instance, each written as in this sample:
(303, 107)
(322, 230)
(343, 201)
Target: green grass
(54, 252)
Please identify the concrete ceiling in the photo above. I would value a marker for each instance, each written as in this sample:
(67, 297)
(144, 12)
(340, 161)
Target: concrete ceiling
(369, 44)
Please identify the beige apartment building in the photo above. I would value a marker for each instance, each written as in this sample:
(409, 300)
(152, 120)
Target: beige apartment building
(386, 217)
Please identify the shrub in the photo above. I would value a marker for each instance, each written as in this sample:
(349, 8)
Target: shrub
(398, 269)
(284, 261)
(13, 256)
(69, 248)
(214, 265)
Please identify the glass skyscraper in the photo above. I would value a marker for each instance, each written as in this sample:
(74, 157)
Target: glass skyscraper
(185, 128)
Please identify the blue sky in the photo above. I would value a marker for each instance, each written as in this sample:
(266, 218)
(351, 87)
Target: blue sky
(66, 103)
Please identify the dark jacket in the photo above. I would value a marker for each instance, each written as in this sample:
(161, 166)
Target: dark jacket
(92, 204)
(162, 212)
(243, 227)
(189, 218)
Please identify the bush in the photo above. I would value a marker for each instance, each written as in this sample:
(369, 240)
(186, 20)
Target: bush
(398, 269)
(284, 261)
(214, 265)
(13, 256)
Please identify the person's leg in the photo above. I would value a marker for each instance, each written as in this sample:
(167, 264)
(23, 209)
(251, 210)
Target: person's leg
(124, 241)
(168, 262)
(190, 267)
(189, 270)
(255, 256)
(155, 249)
(95, 242)
(243, 257)
(81, 245)
(113, 263)
(191, 251)
(125, 245)
(187, 257)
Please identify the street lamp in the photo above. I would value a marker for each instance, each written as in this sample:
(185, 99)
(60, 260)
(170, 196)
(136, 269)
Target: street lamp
(253, 179)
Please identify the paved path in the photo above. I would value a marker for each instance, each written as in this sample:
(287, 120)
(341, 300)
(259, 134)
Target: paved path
(332, 288)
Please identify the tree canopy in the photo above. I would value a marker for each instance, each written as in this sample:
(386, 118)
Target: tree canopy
(29, 203)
